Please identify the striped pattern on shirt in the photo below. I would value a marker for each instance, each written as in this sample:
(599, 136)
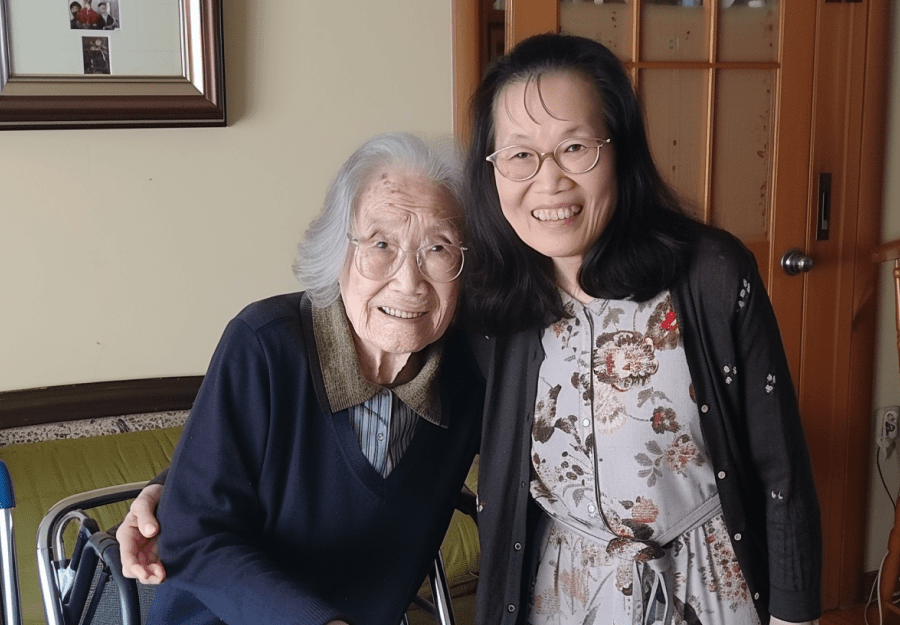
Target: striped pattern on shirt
(384, 427)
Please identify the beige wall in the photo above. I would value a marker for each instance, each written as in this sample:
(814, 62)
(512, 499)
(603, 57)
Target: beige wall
(123, 253)
(887, 378)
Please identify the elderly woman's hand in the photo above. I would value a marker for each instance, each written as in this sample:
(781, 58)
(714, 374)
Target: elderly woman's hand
(137, 536)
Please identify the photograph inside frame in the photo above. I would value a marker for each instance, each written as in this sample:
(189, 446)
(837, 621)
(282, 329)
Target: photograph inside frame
(135, 39)
(95, 50)
(83, 15)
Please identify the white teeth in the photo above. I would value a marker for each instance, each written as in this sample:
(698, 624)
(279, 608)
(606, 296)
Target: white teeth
(400, 314)
(556, 214)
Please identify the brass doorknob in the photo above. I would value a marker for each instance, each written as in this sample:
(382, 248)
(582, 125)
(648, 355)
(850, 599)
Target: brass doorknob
(794, 261)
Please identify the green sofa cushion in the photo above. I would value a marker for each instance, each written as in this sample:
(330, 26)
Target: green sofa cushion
(46, 472)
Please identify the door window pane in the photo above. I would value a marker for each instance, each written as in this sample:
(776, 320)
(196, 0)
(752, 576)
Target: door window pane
(676, 105)
(674, 30)
(609, 23)
(742, 153)
(748, 30)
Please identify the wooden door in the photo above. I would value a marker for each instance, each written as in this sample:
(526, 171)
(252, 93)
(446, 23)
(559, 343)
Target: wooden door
(749, 103)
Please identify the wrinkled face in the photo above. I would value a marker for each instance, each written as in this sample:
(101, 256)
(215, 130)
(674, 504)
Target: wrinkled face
(558, 214)
(405, 312)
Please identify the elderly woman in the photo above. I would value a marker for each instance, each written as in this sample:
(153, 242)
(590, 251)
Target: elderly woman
(320, 465)
(642, 459)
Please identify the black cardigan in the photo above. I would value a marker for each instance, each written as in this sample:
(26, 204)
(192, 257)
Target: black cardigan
(749, 418)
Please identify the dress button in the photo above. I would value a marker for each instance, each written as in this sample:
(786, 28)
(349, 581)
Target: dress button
(737, 536)
(721, 475)
(704, 408)
(380, 436)
(524, 484)
(586, 423)
(756, 595)
(518, 546)
(591, 508)
(510, 608)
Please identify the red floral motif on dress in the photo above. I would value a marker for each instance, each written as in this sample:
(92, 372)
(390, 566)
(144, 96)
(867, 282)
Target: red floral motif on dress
(664, 420)
(625, 359)
(670, 323)
(644, 510)
(726, 579)
(662, 325)
(682, 452)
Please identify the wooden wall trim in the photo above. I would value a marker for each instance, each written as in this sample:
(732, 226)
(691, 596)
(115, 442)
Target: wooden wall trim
(535, 18)
(99, 399)
(466, 62)
(861, 369)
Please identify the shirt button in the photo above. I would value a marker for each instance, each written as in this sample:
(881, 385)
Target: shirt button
(518, 546)
(524, 484)
(756, 595)
(380, 436)
(586, 423)
(591, 508)
(737, 536)
(721, 475)
(510, 608)
(704, 408)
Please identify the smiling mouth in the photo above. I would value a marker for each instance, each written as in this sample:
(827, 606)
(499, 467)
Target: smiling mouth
(558, 213)
(400, 314)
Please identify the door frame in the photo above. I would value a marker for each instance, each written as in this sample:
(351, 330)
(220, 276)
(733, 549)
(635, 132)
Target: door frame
(845, 454)
(847, 444)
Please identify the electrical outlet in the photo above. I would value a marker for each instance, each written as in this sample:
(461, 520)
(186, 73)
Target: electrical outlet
(888, 419)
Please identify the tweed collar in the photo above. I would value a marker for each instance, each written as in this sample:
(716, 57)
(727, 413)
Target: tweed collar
(345, 386)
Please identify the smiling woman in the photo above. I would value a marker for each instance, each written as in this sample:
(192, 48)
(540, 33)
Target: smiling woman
(557, 212)
(334, 428)
(397, 314)
(641, 437)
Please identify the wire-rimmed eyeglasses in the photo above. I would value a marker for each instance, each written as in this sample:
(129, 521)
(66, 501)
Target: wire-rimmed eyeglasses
(575, 156)
(377, 259)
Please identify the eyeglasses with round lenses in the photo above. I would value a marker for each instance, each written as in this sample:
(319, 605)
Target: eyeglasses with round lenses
(378, 259)
(574, 156)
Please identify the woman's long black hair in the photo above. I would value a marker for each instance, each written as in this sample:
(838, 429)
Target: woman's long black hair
(511, 287)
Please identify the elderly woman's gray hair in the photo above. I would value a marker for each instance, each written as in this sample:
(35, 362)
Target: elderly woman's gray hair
(321, 253)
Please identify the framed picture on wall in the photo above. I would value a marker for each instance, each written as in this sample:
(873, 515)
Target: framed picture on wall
(111, 64)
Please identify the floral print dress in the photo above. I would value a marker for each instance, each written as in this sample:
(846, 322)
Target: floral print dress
(633, 535)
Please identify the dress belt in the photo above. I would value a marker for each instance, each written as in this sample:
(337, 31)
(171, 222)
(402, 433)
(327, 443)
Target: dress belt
(655, 609)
